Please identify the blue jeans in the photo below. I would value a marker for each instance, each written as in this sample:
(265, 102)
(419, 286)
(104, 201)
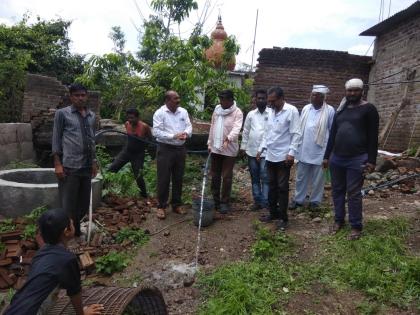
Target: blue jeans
(347, 177)
(259, 179)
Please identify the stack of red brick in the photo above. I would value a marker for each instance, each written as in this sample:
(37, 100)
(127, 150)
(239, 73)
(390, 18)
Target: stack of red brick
(117, 213)
(15, 259)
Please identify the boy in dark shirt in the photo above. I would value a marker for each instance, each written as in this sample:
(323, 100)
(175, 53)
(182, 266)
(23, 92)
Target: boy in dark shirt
(351, 151)
(53, 267)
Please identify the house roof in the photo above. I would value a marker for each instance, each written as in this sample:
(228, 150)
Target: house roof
(389, 23)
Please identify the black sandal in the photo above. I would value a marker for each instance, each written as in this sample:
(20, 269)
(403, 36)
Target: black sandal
(354, 235)
(336, 228)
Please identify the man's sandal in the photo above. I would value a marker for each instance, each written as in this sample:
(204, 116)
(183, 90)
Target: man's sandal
(179, 210)
(160, 213)
(336, 228)
(354, 235)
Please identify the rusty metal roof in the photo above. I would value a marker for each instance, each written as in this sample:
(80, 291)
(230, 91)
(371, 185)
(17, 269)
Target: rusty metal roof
(397, 18)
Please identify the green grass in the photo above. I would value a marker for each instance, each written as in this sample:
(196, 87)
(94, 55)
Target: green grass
(269, 245)
(259, 285)
(323, 211)
(377, 265)
(368, 307)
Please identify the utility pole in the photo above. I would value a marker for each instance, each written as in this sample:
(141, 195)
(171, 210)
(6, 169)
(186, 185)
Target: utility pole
(253, 44)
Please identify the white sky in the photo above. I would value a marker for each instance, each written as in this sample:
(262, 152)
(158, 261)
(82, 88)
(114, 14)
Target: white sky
(321, 24)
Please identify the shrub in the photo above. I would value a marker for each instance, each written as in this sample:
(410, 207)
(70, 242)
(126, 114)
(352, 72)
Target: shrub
(111, 262)
(137, 236)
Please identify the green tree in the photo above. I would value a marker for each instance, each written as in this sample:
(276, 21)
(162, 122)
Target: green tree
(47, 43)
(41, 47)
(118, 37)
(164, 61)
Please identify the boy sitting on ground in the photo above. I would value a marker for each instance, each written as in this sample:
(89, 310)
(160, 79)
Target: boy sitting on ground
(53, 267)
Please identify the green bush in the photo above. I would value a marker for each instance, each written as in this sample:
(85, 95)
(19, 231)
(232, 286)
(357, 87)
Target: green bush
(270, 245)
(35, 214)
(29, 232)
(7, 225)
(111, 263)
(137, 236)
(121, 183)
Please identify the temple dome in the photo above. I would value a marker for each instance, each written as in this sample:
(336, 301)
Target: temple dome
(214, 54)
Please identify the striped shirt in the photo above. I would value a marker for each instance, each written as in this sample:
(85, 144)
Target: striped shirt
(74, 137)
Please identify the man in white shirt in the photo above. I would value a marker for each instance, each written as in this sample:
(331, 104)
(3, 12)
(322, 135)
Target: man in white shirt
(281, 141)
(315, 121)
(252, 137)
(171, 127)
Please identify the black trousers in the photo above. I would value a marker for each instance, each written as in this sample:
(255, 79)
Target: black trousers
(278, 193)
(136, 159)
(170, 167)
(221, 169)
(74, 192)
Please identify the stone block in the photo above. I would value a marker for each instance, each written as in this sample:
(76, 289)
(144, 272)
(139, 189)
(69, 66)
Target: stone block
(27, 151)
(7, 133)
(16, 152)
(24, 132)
(10, 152)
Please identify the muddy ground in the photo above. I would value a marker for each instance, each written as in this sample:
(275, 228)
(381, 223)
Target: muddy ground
(166, 260)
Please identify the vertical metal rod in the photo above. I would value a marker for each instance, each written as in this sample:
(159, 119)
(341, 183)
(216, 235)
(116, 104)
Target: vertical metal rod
(253, 44)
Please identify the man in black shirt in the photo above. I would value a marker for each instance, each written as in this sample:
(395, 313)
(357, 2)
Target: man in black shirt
(352, 149)
(53, 267)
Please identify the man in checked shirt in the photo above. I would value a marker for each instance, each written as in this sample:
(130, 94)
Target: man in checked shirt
(73, 149)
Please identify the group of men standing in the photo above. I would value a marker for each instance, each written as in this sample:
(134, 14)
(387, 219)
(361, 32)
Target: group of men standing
(274, 136)
(346, 141)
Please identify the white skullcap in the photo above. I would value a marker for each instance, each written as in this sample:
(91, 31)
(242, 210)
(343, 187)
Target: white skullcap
(354, 84)
(320, 89)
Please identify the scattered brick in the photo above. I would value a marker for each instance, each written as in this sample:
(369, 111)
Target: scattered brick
(5, 280)
(5, 262)
(15, 235)
(86, 262)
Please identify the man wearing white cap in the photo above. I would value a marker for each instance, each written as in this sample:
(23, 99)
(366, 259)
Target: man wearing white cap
(352, 149)
(315, 122)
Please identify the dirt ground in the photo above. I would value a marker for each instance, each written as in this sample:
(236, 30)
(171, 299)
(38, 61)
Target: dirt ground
(166, 261)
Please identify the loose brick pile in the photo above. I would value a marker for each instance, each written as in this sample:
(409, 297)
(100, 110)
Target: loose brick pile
(115, 214)
(392, 169)
(42, 96)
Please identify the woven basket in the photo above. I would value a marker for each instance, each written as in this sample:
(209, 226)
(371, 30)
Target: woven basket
(117, 301)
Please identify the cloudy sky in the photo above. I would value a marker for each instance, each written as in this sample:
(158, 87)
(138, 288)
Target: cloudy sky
(321, 24)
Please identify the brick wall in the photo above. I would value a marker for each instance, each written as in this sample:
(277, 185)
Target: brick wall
(296, 70)
(395, 50)
(42, 96)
